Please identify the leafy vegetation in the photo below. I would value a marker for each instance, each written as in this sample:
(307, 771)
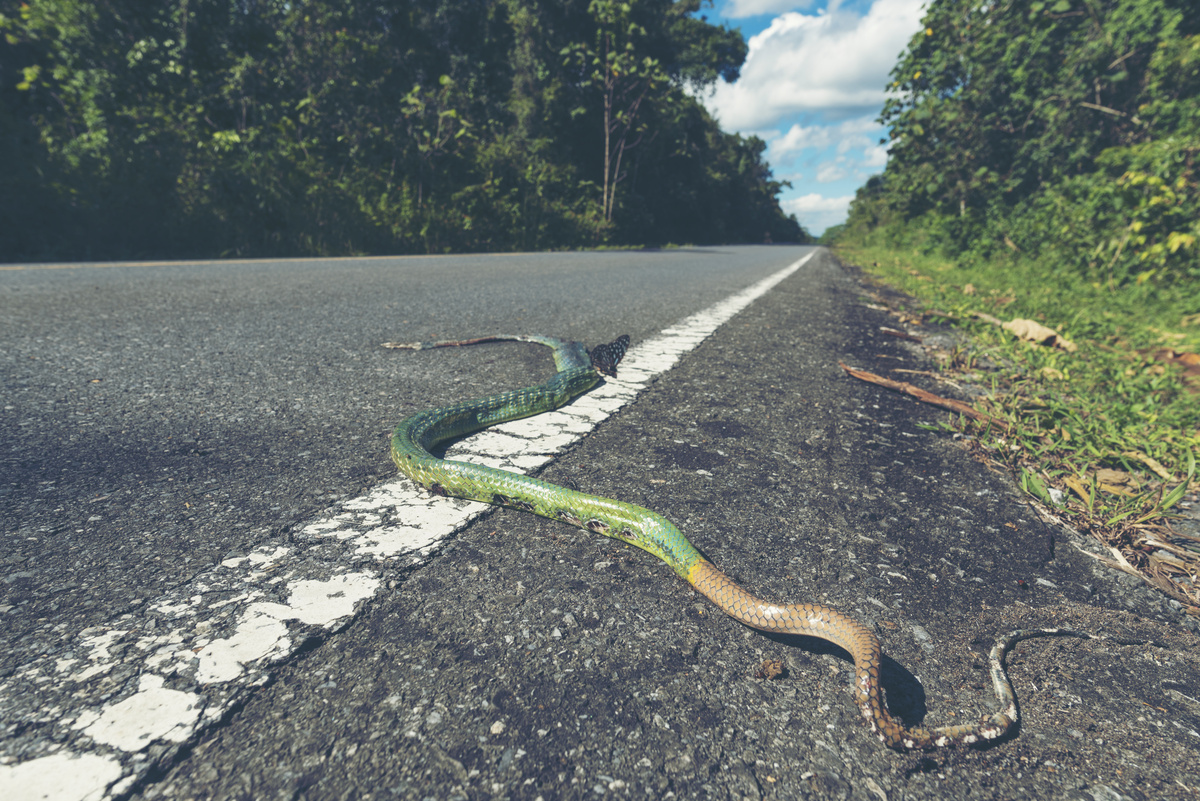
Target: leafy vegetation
(1043, 167)
(263, 127)
(1106, 433)
(1063, 132)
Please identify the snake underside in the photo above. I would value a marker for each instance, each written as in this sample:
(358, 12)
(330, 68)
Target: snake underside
(578, 371)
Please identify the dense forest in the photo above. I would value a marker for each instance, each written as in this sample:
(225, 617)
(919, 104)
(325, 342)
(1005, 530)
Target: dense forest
(1066, 132)
(309, 127)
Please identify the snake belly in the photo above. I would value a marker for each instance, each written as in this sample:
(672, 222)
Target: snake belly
(578, 371)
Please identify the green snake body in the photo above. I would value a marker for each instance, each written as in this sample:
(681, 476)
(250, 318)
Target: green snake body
(578, 371)
(416, 436)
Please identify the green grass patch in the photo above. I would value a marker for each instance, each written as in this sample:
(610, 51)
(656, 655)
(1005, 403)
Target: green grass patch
(1106, 433)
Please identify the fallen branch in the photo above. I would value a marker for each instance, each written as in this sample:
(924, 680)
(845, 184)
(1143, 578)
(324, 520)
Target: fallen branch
(923, 396)
(892, 332)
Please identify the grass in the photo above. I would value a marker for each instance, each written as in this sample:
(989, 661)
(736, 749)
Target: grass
(1104, 436)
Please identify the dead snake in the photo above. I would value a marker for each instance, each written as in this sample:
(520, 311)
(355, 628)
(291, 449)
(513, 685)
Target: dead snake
(578, 371)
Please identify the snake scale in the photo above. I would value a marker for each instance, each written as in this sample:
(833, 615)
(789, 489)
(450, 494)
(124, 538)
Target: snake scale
(578, 370)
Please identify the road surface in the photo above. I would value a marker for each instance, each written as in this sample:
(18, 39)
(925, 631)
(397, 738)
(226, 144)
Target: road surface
(215, 587)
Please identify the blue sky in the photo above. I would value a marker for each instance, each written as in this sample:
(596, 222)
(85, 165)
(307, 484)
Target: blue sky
(812, 87)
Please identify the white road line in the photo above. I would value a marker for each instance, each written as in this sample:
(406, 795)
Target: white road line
(130, 692)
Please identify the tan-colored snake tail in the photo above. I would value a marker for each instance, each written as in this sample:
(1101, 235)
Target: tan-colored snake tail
(826, 623)
(578, 371)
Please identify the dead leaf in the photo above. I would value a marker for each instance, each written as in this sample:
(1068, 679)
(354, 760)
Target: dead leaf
(1182, 358)
(1189, 363)
(1079, 488)
(1117, 482)
(1152, 463)
(771, 669)
(1031, 331)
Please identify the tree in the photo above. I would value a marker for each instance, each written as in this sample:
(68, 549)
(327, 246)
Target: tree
(265, 127)
(1019, 126)
(1010, 96)
(613, 66)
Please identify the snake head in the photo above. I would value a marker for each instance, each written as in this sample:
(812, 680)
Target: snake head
(606, 357)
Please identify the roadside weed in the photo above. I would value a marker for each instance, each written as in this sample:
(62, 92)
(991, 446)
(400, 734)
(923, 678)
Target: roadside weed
(1100, 425)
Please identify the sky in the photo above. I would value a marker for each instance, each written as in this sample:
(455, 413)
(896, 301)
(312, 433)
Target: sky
(812, 87)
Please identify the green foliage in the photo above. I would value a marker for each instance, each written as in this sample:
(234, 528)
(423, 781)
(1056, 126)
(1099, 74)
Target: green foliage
(703, 53)
(227, 127)
(1135, 219)
(1062, 132)
(613, 67)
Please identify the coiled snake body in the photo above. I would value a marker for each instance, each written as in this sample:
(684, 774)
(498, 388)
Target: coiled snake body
(578, 371)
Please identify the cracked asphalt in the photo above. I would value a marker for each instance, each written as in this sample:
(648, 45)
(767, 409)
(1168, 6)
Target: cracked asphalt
(215, 409)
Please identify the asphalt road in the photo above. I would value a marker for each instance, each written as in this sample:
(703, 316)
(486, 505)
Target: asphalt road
(166, 426)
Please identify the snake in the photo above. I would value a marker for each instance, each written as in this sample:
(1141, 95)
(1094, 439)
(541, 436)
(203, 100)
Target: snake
(579, 369)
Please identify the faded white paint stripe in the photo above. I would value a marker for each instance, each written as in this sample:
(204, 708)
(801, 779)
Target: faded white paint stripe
(152, 713)
(62, 776)
(215, 636)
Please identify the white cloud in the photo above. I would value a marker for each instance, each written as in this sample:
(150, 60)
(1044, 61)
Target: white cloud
(739, 9)
(876, 156)
(848, 150)
(836, 61)
(827, 173)
(845, 135)
(817, 212)
(807, 204)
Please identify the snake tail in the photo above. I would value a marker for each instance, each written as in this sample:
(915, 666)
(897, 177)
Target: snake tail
(579, 369)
